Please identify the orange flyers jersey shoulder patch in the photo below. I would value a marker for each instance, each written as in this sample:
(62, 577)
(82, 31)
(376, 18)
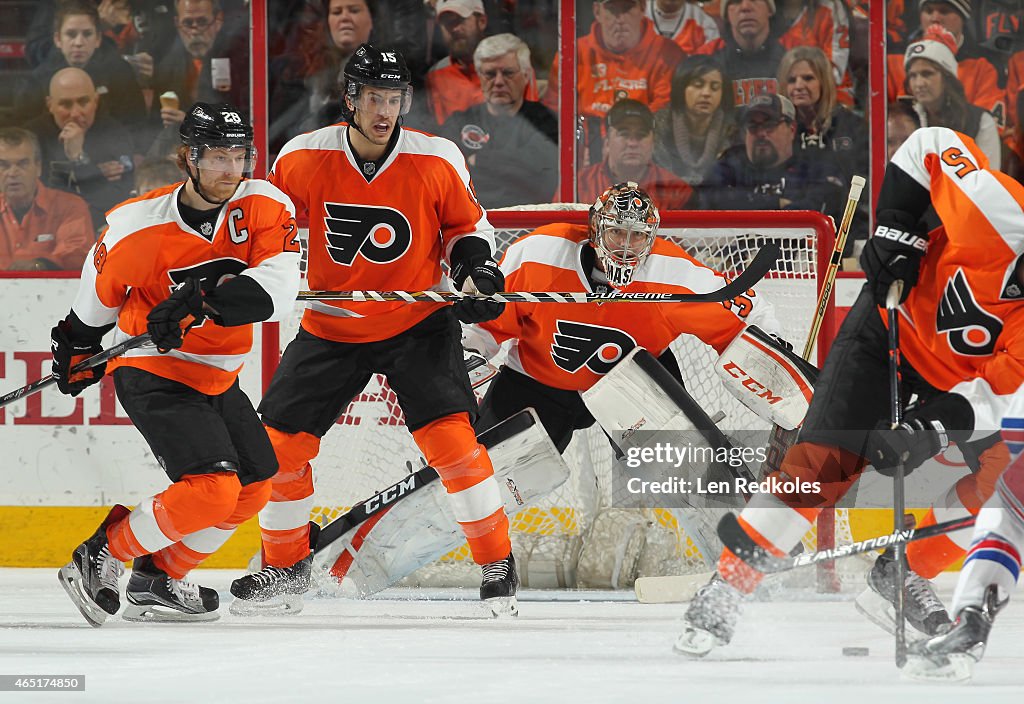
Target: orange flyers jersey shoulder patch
(389, 233)
(147, 249)
(966, 314)
(570, 346)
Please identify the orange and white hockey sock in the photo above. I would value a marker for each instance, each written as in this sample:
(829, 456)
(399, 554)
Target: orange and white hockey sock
(182, 557)
(778, 522)
(450, 446)
(284, 521)
(194, 502)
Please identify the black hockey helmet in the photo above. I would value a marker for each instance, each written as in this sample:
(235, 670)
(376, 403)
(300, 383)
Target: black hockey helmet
(215, 125)
(378, 68)
(212, 125)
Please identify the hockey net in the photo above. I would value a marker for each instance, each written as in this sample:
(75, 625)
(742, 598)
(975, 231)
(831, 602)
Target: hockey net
(577, 537)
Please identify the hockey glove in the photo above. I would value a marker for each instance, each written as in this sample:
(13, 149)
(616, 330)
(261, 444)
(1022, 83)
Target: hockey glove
(926, 431)
(914, 442)
(67, 353)
(482, 277)
(892, 254)
(184, 305)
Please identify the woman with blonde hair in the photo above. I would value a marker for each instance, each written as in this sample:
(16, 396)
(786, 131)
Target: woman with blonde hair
(939, 97)
(697, 126)
(823, 125)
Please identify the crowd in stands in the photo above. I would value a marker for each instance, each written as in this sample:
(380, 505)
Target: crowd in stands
(737, 104)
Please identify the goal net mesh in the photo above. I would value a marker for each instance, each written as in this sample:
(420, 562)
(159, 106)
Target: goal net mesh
(577, 537)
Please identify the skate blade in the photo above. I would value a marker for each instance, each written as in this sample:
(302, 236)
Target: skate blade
(70, 577)
(284, 605)
(957, 669)
(695, 643)
(150, 613)
(502, 606)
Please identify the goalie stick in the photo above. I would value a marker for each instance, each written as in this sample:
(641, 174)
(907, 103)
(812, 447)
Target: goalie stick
(736, 539)
(94, 361)
(762, 263)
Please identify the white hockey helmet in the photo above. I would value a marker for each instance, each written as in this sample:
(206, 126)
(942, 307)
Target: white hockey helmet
(623, 224)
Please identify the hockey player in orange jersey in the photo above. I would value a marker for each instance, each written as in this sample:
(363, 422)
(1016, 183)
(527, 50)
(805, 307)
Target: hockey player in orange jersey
(387, 205)
(558, 351)
(225, 249)
(962, 348)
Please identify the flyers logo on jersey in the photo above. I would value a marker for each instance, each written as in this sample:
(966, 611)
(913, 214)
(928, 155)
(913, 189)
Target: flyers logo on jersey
(210, 274)
(381, 235)
(972, 331)
(598, 348)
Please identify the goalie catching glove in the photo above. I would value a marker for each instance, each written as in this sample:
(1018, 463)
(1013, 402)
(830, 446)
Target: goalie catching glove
(165, 320)
(68, 352)
(925, 432)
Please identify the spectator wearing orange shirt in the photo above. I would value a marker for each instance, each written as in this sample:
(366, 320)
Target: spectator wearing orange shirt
(41, 229)
(685, 23)
(622, 57)
(630, 157)
(981, 80)
(452, 83)
(824, 24)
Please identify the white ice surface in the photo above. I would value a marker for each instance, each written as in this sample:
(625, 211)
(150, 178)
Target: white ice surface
(397, 649)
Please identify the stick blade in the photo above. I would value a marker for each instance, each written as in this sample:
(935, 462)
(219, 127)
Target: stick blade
(670, 589)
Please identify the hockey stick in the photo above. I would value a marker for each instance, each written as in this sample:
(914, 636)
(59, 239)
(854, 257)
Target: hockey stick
(383, 499)
(892, 305)
(94, 361)
(781, 439)
(735, 538)
(762, 263)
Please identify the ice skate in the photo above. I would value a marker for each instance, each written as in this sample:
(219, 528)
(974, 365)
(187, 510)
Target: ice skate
(272, 590)
(950, 657)
(155, 596)
(498, 587)
(710, 619)
(90, 579)
(922, 608)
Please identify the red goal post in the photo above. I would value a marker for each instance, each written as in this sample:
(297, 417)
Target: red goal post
(368, 448)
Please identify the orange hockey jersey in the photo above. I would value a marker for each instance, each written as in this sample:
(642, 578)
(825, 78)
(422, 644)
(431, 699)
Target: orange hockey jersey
(570, 346)
(690, 28)
(147, 249)
(643, 73)
(390, 233)
(965, 330)
(828, 28)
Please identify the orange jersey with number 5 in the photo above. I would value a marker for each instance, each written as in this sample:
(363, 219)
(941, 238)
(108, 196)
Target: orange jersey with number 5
(966, 314)
(571, 346)
(147, 249)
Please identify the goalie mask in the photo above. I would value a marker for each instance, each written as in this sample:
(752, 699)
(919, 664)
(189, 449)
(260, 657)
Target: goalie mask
(623, 225)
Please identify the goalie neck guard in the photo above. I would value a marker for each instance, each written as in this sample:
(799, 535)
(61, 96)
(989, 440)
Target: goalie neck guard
(623, 224)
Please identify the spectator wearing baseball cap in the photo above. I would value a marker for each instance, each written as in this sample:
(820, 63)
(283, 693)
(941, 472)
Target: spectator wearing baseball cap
(764, 173)
(629, 156)
(452, 83)
(623, 56)
(938, 94)
(976, 68)
(748, 49)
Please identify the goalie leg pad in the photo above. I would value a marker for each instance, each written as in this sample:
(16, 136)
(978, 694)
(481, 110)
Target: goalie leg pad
(420, 527)
(773, 382)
